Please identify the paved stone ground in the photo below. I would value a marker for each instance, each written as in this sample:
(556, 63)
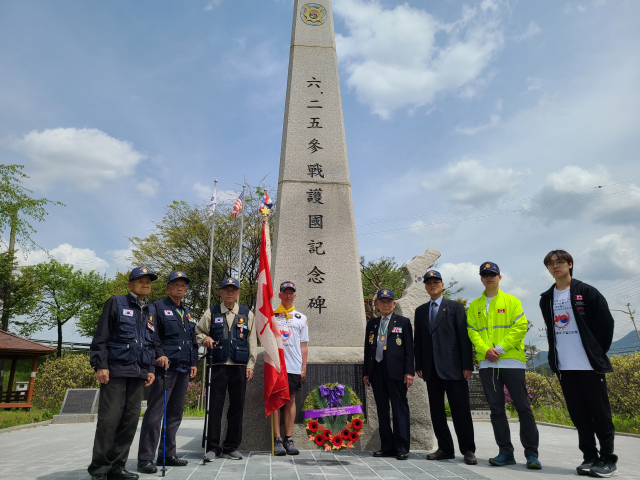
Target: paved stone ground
(64, 451)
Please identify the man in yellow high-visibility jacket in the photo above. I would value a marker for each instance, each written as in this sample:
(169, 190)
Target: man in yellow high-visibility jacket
(497, 326)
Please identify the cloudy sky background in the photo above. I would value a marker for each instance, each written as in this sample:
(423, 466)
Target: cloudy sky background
(481, 129)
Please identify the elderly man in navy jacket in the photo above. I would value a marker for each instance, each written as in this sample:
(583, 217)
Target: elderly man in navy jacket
(388, 368)
(177, 353)
(122, 354)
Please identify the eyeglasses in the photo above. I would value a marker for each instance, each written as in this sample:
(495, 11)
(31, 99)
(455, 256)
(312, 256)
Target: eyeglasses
(556, 263)
(178, 287)
(488, 274)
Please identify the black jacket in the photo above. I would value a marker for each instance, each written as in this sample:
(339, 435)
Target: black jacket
(399, 353)
(177, 336)
(449, 345)
(594, 321)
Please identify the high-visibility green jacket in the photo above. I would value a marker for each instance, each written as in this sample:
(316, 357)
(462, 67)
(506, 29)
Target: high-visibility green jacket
(506, 325)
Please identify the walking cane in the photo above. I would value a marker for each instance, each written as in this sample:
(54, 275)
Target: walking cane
(164, 423)
(207, 388)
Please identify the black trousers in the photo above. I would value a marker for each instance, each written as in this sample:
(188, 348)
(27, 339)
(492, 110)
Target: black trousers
(493, 381)
(234, 379)
(387, 390)
(150, 434)
(458, 395)
(588, 402)
(118, 415)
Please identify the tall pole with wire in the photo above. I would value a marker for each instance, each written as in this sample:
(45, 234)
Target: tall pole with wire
(630, 313)
(241, 230)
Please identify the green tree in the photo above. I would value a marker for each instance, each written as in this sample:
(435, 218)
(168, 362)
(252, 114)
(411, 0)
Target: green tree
(65, 294)
(531, 354)
(383, 272)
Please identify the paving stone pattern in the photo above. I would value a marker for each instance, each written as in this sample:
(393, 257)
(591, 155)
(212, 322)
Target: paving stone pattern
(63, 452)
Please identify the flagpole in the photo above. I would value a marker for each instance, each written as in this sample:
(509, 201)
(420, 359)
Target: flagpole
(241, 230)
(213, 231)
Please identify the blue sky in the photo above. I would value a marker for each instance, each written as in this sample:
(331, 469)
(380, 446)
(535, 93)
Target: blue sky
(119, 108)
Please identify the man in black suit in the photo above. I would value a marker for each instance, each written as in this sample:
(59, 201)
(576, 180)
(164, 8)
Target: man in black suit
(443, 360)
(388, 368)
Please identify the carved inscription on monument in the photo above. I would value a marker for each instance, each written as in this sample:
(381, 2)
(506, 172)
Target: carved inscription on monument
(80, 400)
(320, 373)
(477, 400)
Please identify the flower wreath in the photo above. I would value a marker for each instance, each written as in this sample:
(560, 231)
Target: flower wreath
(321, 403)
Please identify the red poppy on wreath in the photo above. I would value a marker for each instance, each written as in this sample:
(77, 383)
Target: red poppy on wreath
(327, 434)
(319, 439)
(313, 425)
(356, 423)
(345, 434)
(338, 441)
(354, 436)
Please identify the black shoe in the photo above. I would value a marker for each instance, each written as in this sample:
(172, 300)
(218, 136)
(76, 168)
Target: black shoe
(470, 458)
(173, 461)
(290, 447)
(382, 453)
(604, 469)
(440, 455)
(402, 456)
(278, 447)
(123, 475)
(147, 467)
(99, 476)
(586, 466)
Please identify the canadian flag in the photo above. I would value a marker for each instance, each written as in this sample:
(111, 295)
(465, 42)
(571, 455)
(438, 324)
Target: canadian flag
(276, 384)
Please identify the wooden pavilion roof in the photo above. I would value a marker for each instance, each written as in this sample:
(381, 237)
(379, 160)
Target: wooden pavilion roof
(12, 345)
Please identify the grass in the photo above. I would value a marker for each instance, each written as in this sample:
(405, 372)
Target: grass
(13, 418)
(188, 412)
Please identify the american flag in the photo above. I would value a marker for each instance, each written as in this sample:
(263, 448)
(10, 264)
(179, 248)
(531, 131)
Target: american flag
(238, 205)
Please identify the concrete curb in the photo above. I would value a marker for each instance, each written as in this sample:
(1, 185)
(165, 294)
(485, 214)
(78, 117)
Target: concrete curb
(25, 426)
(622, 434)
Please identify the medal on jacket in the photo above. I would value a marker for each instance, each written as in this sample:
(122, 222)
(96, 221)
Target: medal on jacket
(398, 340)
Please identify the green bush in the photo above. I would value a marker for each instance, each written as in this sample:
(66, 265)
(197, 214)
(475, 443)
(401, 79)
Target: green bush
(56, 375)
(624, 385)
(544, 390)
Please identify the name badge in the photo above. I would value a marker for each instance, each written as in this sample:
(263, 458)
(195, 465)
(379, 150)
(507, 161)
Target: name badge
(218, 320)
(168, 313)
(128, 313)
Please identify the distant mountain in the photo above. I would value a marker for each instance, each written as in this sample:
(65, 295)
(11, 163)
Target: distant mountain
(627, 344)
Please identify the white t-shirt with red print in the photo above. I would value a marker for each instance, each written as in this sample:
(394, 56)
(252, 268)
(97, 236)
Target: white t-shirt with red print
(293, 330)
(571, 354)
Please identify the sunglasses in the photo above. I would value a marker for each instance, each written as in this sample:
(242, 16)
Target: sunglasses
(488, 274)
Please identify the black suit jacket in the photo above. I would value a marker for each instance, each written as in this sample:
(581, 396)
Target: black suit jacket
(399, 358)
(449, 345)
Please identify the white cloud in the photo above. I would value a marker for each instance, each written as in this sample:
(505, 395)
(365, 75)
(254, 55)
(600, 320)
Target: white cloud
(203, 192)
(468, 276)
(84, 157)
(148, 187)
(393, 58)
(493, 121)
(534, 83)
(611, 257)
(211, 4)
(468, 182)
(81, 258)
(532, 30)
(120, 259)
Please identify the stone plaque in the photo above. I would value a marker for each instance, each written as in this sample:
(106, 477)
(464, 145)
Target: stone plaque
(80, 400)
(477, 400)
(320, 373)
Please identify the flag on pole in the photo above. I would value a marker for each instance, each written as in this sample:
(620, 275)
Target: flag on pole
(266, 205)
(276, 383)
(214, 201)
(238, 205)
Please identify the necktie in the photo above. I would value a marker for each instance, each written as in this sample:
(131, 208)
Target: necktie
(382, 337)
(433, 313)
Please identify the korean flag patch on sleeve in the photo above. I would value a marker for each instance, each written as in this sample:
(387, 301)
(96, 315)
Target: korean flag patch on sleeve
(128, 313)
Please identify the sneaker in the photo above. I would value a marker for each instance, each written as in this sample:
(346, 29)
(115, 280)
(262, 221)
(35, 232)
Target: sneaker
(235, 455)
(586, 466)
(501, 460)
(290, 447)
(533, 463)
(278, 448)
(210, 456)
(604, 469)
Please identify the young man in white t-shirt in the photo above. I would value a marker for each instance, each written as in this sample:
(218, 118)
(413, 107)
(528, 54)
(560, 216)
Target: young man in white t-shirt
(295, 342)
(580, 330)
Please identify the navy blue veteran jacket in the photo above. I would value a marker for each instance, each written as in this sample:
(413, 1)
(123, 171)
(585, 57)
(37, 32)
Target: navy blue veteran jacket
(177, 335)
(594, 321)
(399, 352)
(125, 338)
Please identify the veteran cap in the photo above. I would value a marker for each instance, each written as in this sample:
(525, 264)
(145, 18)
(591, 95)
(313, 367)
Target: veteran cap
(432, 274)
(286, 285)
(230, 281)
(141, 272)
(385, 293)
(177, 275)
(490, 267)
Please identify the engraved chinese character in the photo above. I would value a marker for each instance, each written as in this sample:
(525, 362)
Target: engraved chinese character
(317, 303)
(316, 247)
(315, 221)
(314, 106)
(313, 82)
(315, 170)
(315, 122)
(314, 146)
(314, 195)
(316, 276)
